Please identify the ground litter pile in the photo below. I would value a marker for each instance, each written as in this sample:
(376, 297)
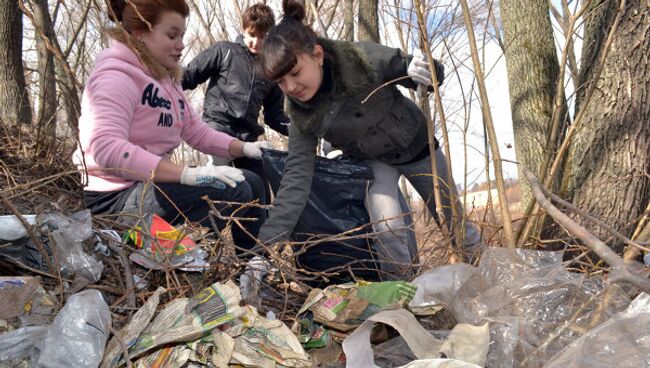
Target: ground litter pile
(75, 295)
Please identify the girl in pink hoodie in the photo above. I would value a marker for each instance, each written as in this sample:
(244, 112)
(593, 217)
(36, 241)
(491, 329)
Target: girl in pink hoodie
(134, 114)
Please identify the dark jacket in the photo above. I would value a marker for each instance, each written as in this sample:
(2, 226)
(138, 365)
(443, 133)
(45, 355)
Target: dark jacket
(387, 126)
(235, 93)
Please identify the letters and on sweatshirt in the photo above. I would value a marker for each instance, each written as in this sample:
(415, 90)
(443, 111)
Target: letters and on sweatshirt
(130, 121)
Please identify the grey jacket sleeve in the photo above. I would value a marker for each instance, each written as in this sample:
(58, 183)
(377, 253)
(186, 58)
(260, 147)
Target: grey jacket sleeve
(294, 188)
(205, 65)
(392, 63)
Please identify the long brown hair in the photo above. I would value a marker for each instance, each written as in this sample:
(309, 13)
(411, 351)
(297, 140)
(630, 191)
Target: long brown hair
(284, 42)
(142, 15)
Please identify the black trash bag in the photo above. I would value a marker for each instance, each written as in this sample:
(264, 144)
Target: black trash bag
(24, 251)
(335, 205)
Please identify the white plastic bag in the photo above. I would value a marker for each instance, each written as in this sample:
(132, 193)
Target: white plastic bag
(78, 336)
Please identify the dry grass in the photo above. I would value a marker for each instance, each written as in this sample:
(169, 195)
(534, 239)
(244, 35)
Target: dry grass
(35, 176)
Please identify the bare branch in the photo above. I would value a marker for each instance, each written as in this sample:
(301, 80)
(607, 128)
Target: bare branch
(621, 271)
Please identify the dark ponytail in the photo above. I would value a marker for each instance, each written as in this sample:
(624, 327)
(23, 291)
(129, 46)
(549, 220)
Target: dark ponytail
(293, 10)
(285, 41)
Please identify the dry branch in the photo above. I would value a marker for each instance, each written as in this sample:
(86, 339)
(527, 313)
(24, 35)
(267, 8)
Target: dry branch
(128, 274)
(622, 271)
(489, 125)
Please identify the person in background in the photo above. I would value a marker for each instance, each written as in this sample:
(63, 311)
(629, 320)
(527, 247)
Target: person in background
(134, 114)
(331, 88)
(235, 93)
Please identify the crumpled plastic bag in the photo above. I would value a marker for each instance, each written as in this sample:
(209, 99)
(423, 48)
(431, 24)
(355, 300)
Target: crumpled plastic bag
(621, 341)
(78, 336)
(18, 345)
(69, 233)
(467, 344)
(526, 295)
(12, 229)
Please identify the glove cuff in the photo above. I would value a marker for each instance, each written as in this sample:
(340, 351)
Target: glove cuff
(246, 148)
(186, 178)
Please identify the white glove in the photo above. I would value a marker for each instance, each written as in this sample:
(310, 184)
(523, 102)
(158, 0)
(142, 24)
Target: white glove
(418, 69)
(212, 176)
(254, 149)
(251, 278)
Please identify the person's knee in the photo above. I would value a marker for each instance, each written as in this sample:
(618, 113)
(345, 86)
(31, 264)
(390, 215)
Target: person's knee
(255, 186)
(394, 227)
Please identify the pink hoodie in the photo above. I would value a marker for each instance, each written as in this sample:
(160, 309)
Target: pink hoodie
(130, 121)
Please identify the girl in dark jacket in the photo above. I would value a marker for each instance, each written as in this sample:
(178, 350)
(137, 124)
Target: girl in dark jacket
(327, 84)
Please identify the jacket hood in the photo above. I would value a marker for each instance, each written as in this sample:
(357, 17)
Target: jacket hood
(139, 55)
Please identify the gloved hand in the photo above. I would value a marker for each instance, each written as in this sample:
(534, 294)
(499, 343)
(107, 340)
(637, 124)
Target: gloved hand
(254, 149)
(418, 69)
(211, 176)
(251, 279)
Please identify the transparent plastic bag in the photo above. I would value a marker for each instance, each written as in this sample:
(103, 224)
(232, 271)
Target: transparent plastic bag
(69, 233)
(528, 297)
(78, 336)
(621, 341)
(19, 344)
(439, 286)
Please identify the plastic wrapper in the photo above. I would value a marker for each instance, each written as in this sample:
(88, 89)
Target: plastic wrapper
(19, 345)
(438, 287)
(78, 336)
(12, 229)
(15, 292)
(467, 344)
(621, 341)
(162, 246)
(69, 233)
(344, 307)
(20, 246)
(527, 296)
(440, 363)
(536, 299)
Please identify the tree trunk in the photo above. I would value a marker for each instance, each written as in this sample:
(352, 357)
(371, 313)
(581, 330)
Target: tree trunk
(598, 22)
(610, 154)
(47, 99)
(15, 108)
(348, 21)
(368, 27)
(533, 71)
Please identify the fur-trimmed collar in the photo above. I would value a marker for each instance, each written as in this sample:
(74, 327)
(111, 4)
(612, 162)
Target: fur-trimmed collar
(157, 70)
(351, 75)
